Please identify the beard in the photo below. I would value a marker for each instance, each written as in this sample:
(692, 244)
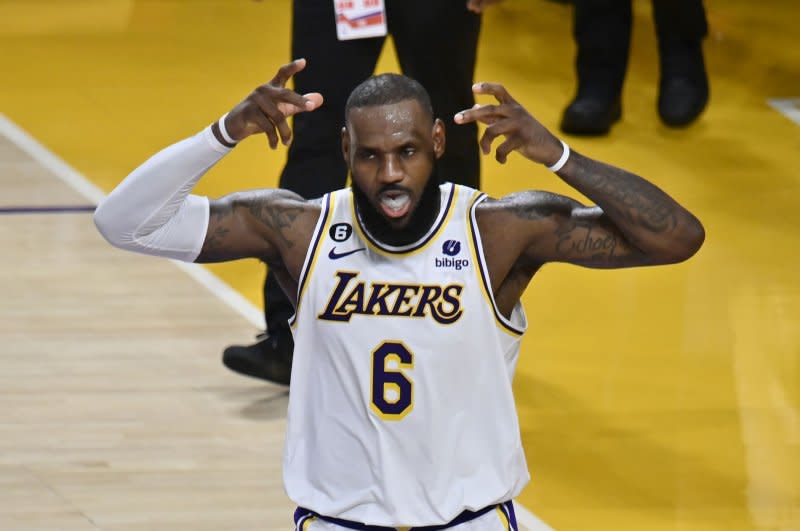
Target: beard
(421, 219)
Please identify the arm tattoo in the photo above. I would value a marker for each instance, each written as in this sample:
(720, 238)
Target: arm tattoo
(580, 233)
(277, 217)
(630, 197)
(215, 243)
(635, 223)
(216, 240)
(583, 240)
(535, 205)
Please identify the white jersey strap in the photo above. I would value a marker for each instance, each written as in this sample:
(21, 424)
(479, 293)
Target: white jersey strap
(320, 230)
(476, 245)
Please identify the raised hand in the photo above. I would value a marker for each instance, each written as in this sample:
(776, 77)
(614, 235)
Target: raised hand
(522, 131)
(266, 109)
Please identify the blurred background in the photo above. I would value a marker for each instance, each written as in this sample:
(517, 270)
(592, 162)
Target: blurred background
(659, 398)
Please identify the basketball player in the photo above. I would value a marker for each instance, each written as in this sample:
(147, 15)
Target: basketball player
(408, 319)
(436, 43)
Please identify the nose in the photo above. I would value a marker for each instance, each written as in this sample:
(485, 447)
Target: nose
(391, 169)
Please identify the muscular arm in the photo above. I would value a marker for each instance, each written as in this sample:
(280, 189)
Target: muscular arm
(634, 224)
(273, 225)
(548, 227)
(152, 211)
(647, 219)
(522, 231)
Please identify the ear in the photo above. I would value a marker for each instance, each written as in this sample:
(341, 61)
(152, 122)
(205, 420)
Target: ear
(346, 145)
(438, 138)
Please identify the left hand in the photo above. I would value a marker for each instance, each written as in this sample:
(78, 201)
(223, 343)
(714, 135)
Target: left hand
(477, 6)
(267, 108)
(522, 131)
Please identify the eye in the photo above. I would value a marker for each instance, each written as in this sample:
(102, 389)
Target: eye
(409, 151)
(365, 154)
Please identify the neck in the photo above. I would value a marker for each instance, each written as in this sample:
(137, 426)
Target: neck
(421, 220)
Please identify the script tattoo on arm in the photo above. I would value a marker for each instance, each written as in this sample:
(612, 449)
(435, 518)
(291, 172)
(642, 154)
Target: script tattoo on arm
(566, 231)
(636, 210)
(585, 240)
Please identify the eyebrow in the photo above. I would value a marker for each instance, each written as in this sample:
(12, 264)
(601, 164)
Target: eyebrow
(413, 141)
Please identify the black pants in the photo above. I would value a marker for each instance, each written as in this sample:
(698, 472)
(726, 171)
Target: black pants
(436, 42)
(602, 31)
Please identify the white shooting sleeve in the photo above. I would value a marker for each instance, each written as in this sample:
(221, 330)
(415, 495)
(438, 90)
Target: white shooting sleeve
(151, 210)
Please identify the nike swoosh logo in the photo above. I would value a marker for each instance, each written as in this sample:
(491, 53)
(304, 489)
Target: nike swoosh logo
(333, 255)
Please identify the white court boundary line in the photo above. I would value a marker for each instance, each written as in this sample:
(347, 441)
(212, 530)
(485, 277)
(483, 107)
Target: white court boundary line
(789, 107)
(208, 280)
(83, 186)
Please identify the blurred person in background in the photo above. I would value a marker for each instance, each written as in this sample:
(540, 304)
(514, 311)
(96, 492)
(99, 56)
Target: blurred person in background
(436, 43)
(602, 32)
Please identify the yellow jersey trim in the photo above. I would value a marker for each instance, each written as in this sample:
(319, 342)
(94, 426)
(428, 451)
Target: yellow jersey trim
(482, 271)
(503, 518)
(311, 260)
(307, 522)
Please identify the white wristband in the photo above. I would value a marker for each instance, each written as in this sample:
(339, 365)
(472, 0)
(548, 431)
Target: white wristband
(224, 132)
(563, 160)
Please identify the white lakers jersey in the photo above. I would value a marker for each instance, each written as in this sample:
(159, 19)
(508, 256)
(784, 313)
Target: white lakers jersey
(401, 411)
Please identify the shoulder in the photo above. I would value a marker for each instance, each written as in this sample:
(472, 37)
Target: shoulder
(269, 202)
(281, 213)
(527, 205)
(270, 195)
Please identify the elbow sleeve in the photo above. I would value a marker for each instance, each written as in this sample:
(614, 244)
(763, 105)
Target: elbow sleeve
(152, 212)
(181, 237)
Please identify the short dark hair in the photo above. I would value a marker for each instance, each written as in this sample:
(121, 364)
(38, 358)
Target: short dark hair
(385, 89)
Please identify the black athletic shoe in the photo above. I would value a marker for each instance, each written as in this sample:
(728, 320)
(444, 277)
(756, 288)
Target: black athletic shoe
(683, 90)
(590, 116)
(270, 358)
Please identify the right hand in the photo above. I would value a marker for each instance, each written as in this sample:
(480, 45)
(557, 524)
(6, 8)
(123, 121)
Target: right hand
(266, 109)
(523, 133)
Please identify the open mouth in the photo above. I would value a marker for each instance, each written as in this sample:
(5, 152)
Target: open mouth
(395, 204)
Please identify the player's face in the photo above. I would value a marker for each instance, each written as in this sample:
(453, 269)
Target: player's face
(391, 151)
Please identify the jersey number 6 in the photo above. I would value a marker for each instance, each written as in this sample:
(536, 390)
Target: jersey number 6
(392, 392)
